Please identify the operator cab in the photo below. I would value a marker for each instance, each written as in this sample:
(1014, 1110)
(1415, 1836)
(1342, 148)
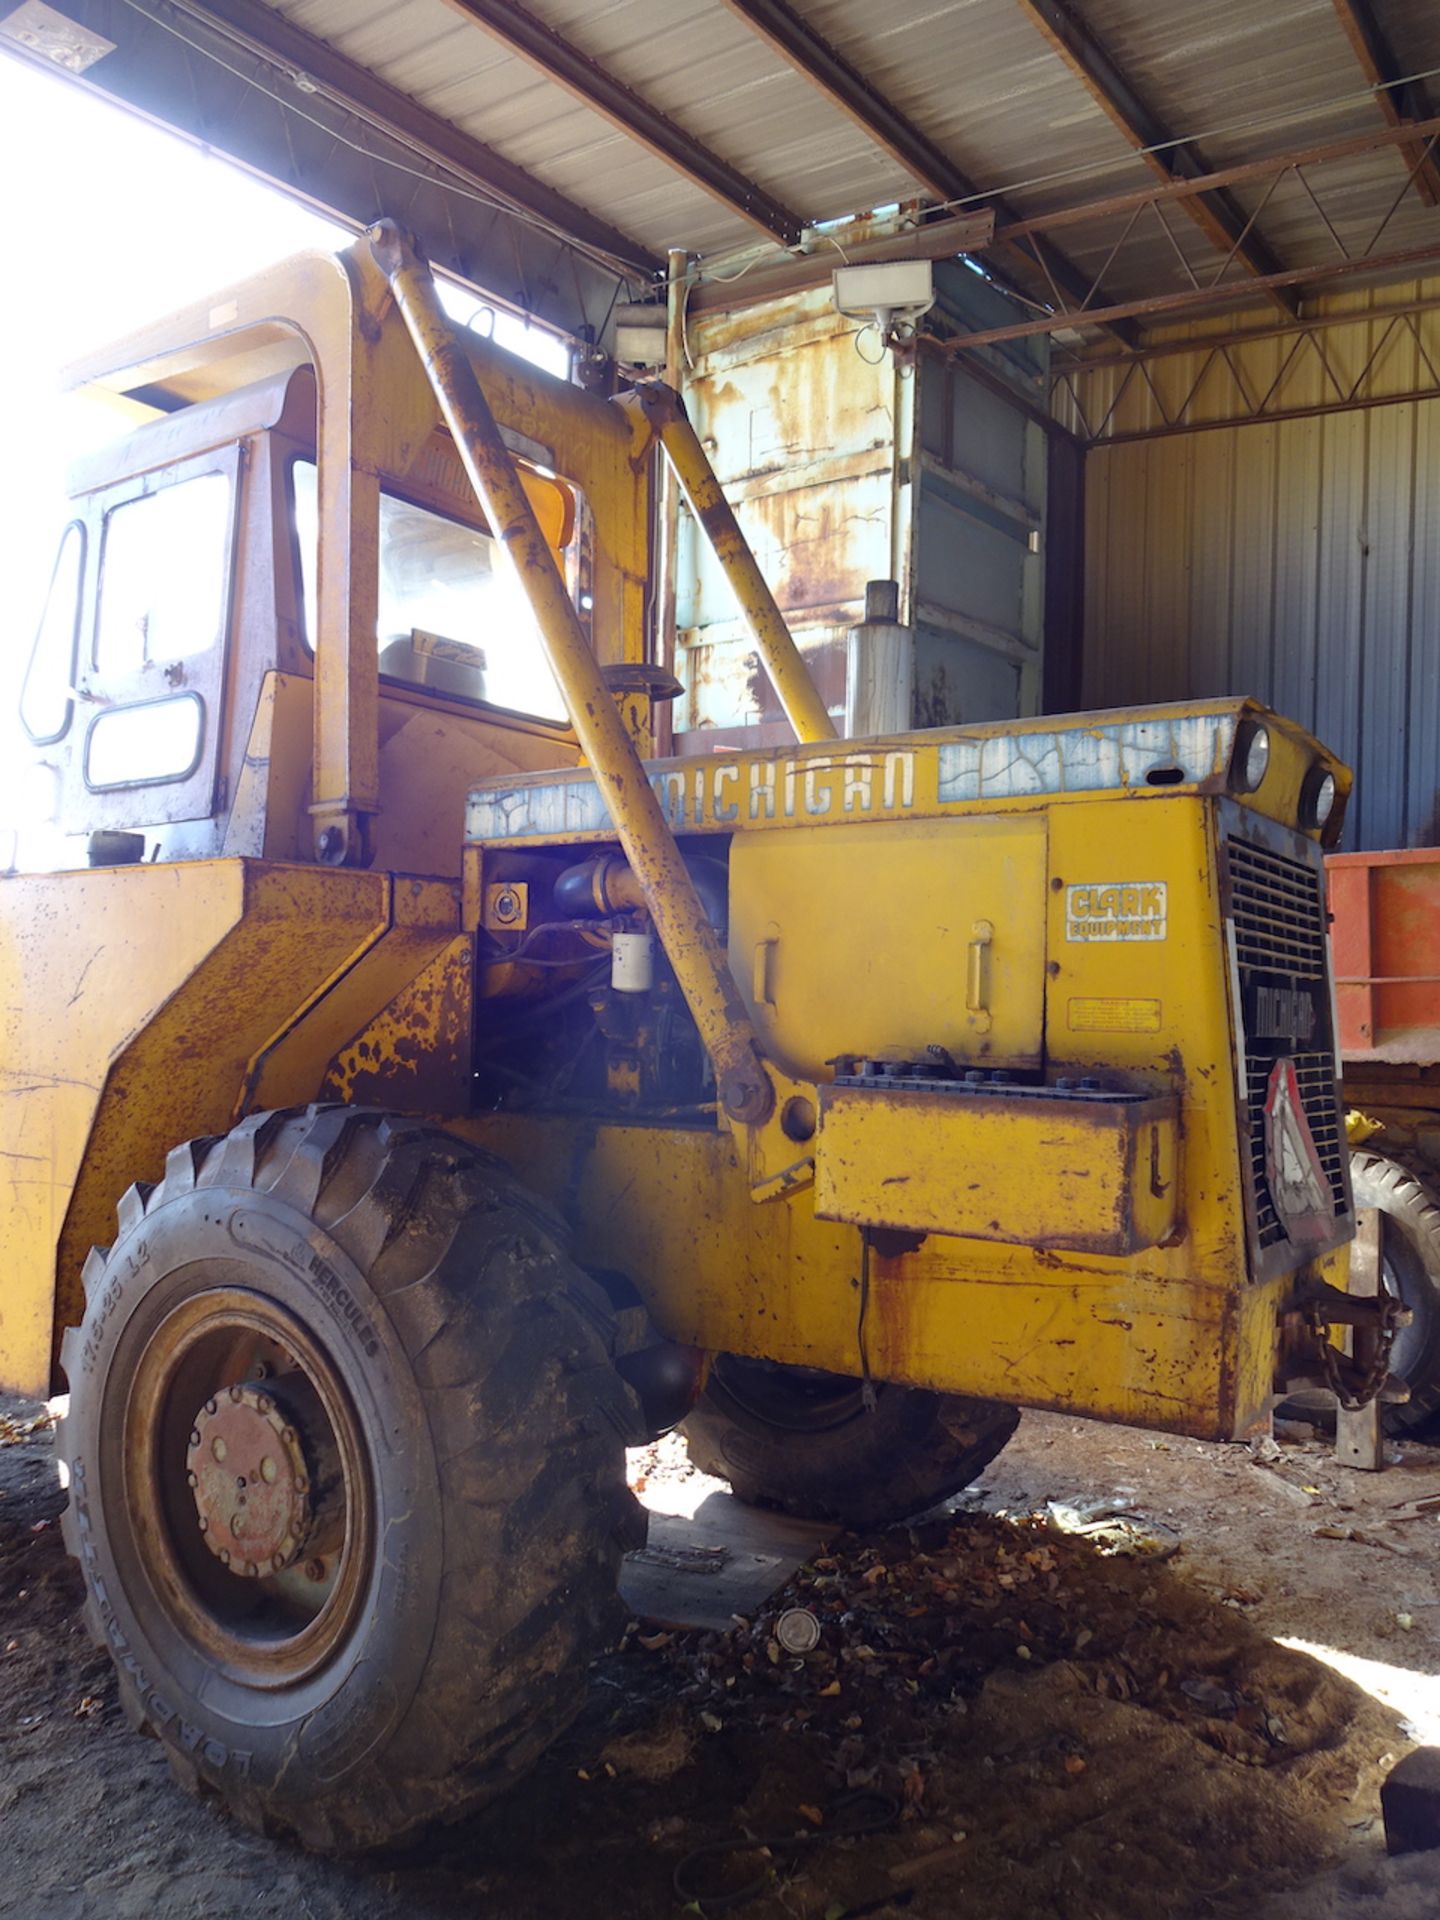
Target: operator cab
(169, 698)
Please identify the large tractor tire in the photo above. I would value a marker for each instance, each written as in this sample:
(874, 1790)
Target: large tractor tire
(346, 1458)
(1410, 1267)
(806, 1443)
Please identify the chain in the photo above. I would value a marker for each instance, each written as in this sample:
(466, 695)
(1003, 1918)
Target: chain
(1378, 1371)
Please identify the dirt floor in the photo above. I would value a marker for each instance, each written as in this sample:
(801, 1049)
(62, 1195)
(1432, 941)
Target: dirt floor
(1127, 1679)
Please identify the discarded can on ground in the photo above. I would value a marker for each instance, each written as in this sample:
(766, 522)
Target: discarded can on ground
(797, 1630)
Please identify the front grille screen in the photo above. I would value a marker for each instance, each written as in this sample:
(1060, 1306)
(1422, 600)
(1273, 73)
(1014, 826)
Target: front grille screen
(1277, 908)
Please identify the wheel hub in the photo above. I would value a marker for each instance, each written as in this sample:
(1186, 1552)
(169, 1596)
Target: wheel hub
(250, 1482)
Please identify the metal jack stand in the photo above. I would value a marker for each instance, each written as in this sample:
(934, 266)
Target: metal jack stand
(1359, 1440)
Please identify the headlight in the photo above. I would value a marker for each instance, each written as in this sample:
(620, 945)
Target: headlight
(1252, 757)
(1317, 797)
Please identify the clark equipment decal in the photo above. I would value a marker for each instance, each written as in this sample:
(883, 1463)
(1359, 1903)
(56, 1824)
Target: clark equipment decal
(1115, 910)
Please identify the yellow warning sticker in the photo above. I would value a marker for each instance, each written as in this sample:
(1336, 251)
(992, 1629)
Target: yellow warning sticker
(1114, 1016)
(1120, 910)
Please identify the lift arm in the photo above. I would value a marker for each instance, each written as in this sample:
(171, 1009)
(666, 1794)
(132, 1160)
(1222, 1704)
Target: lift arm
(799, 696)
(684, 930)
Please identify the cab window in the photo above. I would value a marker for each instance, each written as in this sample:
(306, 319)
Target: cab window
(144, 744)
(46, 695)
(164, 575)
(453, 618)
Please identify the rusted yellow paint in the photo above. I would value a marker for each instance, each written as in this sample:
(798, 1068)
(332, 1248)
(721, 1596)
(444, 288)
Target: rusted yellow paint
(415, 1055)
(1140, 1340)
(395, 1029)
(1076, 1254)
(956, 896)
(1100, 1176)
(670, 897)
(860, 953)
(132, 1002)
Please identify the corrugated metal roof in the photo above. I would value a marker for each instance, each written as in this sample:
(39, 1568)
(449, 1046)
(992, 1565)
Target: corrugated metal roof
(998, 99)
(977, 77)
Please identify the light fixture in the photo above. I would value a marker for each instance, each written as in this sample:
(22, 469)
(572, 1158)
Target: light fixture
(44, 30)
(1317, 797)
(1251, 756)
(640, 335)
(893, 294)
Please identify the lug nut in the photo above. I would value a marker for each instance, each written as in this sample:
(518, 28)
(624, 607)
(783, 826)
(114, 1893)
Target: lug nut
(314, 1569)
(212, 1406)
(192, 1480)
(224, 1557)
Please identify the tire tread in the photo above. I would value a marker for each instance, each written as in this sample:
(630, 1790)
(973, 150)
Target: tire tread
(474, 1274)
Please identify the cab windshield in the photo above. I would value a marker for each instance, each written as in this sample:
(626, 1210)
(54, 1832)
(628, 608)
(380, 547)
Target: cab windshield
(453, 618)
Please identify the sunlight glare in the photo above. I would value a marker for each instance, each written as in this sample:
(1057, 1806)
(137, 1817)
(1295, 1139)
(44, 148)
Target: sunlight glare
(1414, 1696)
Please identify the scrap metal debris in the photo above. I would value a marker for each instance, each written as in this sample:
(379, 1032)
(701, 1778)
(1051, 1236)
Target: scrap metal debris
(14, 1432)
(975, 1669)
(919, 1617)
(701, 1560)
(1112, 1526)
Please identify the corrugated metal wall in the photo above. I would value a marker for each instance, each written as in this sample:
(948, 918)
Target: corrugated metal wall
(1299, 562)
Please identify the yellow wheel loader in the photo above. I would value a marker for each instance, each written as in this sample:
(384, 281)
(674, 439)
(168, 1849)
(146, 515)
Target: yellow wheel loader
(412, 1092)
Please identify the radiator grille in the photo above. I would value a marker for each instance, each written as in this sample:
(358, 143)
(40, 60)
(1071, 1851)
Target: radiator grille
(1277, 908)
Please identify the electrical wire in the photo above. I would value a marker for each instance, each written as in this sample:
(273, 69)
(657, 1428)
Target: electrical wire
(492, 199)
(859, 334)
(546, 1010)
(497, 201)
(867, 1382)
(595, 932)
